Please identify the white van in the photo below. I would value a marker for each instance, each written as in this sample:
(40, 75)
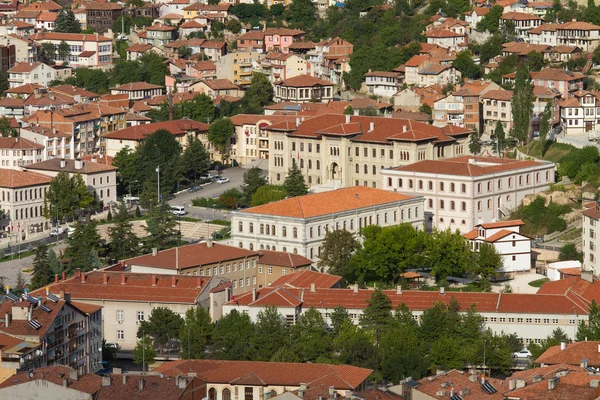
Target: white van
(178, 210)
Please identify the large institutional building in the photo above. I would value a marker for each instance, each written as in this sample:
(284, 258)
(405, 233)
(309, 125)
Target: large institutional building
(460, 191)
(299, 224)
(343, 150)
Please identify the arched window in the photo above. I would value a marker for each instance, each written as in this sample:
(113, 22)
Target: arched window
(226, 394)
(212, 394)
(357, 168)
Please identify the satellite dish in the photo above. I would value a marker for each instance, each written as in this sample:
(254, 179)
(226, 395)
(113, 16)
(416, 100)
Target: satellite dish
(30, 374)
(161, 375)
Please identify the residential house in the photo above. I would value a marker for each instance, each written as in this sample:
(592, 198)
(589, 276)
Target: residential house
(199, 9)
(137, 50)
(87, 50)
(217, 87)
(522, 22)
(581, 34)
(589, 239)
(578, 115)
(280, 39)
(507, 239)
(101, 16)
(78, 94)
(25, 50)
(100, 178)
(27, 73)
(563, 80)
(462, 190)
(138, 90)
(476, 15)
(454, 40)
(561, 54)
(459, 384)
(497, 108)
(17, 152)
(299, 225)
(438, 74)
(449, 110)
(303, 88)
(382, 83)
(252, 41)
(54, 142)
(11, 107)
(471, 92)
(160, 34)
(189, 27)
(572, 354)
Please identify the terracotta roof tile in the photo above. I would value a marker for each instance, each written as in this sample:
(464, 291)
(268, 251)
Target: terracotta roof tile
(10, 178)
(69, 36)
(501, 224)
(469, 166)
(54, 164)
(24, 67)
(304, 279)
(221, 84)
(304, 81)
(176, 127)
(87, 383)
(154, 387)
(18, 143)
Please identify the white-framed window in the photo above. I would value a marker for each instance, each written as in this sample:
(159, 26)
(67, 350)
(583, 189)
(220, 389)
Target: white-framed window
(140, 316)
(120, 315)
(120, 335)
(260, 269)
(269, 270)
(283, 271)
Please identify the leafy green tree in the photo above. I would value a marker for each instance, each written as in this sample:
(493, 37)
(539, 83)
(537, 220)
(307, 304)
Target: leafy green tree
(121, 47)
(338, 247)
(500, 136)
(491, 21)
(487, 262)
(338, 317)
(232, 337)
(258, 94)
(67, 23)
(301, 14)
(522, 105)
(294, 184)
(234, 26)
(253, 180)
(545, 125)
(162, 325)
(55, 265)
(194, 160)
(230, 198)
(42, 273)
(267, 194)
(48, 53)
(185, 52)
(349, 110)
(474, 143)
(4, 84)
(447, 353)
(128, 164)
(310, 339)
(466, 65)
(535, 61)
(220, 133)
(557, 337)
(285, 354)
(426, 109)
(63, 51)
(437, 322)
(81, 243)
(6, 129)
(162, 228)
(570, 252)
(123, 241)
(402, 354)
(94, 80)
(271, 333)
(449, 254)
(144, 352)
(356, 346)
(195, 333)
(376, 317)
(66, 196)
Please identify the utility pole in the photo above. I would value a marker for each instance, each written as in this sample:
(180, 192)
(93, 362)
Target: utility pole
(158, 174)
(143, 352)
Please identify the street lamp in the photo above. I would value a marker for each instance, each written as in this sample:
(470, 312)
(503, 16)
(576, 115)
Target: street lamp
(158, 174)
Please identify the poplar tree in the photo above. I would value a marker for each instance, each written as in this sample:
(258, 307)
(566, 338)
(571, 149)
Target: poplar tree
(522, 105)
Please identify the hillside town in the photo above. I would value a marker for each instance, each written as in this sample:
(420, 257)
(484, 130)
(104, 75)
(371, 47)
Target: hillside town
(299, 200)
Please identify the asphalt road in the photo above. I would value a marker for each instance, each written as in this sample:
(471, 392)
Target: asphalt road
(214, 190)
(10, 269)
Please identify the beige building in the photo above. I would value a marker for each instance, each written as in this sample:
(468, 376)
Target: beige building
(589, 238)
(27, 73)
(342, 150)
(299, 224)
(302, 89)
(244, 269)
(128, 298)
(98, 177)
(497, 107)
(461, 191)
(23, 195)
(17, 152)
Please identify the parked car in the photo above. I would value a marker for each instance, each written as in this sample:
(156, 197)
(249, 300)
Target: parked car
(194, 189)
(56, 231)
(522, 354)
(178, 210)
(70, 230)
(112, 345)
(223, 179)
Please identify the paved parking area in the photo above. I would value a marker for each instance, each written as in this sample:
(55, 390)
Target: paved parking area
(521, 283)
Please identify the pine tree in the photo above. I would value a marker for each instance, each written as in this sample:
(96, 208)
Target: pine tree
(545, 125)
(67, 23)
(162, 228)
(55, 266)
(144, 351)
(474, 143)
(271, 333)
(195, 333)
(123, 242)
(522, 105)
(377, 315)
(294, 182)
(253, 179)
(42, 273)
(82, 241)
(500, 136)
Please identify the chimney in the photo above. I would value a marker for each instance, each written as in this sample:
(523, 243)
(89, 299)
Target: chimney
(124, 379)
(587, 276)
(347, 118)
(153, 280)
(442, 290)
(398, 289)
(198, 282)
(254, 294)
(73, 375)
(63, 163)
(64, 275)
(78, 273)
(7, 320)
(141, 384)
(78, 164)
(65, 382)
(355, 288)
(552, 382)
(62, 294)
(302, 390)
(473, 378)
(122, 279)
(106, 381)
(83, 278)
(173, 281)
(520, 383)
(67, 297)
(181, 383)
(313, 288)
(104, 279)
(55, 278)
(371, 126)
(331, 391)
(154, 251)
(404, 128)
(209, 243)
(563, 345)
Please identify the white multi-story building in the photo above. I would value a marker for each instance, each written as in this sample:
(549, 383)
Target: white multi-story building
(578, 115)
(99, 177)
(460, 191)
(18, 152)
(382, 83)
(87, 50)
(298, 225)
(54, 142)
(497, 107)
(523, 22)
(22, 198)
(28, 73)
(589, 237)
(343, 150)
(507, 239)
(303, 89)
(449, 111)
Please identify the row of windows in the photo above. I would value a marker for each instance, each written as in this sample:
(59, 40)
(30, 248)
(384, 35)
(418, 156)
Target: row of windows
(526, 320)
(121, 315)
(308, 147)
(228, 268)
(31, 194)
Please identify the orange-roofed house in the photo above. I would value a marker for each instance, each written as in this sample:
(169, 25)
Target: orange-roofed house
(507, 239)
(128, 298)
(138, 90)
(523, 22)
(382, 83)
(17, 152)
(455, 385)
(497, 108)
(101, 16)
(303, 88)
(279, 39)
(578, 114)
(298, 225)
(92, 50)
(576, 33)
(25, 73)
(461, 191)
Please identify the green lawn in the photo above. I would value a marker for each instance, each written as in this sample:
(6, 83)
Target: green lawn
(539, 282)
(555, 152)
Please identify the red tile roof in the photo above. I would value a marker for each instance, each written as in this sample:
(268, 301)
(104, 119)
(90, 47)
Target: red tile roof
(139, 48)
(573, 354)
(283, 32)
(283, 259)
(137, 287)
(136, 86)
(469, 166)
(24, 67)
(54, 164)
(501, 224)
(221, 84)
(304, 279)
(18, 143)
(502, 95)
(457, 381)
(153, 387)
(193, 255)
(304, 81)
(87, 383)
(177, 127)
(342, 377)
(55, 36)
(10, 178)
(317, 204)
